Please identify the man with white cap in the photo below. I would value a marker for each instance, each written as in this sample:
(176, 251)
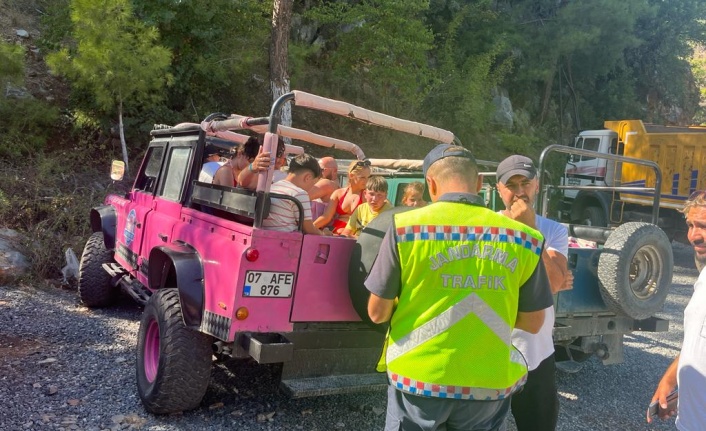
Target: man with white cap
(537, 406)
(453, 278)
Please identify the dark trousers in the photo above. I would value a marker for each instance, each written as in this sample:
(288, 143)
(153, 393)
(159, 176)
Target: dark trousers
(536, 407)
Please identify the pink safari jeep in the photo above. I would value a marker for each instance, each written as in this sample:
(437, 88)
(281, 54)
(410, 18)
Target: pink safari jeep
(213, 281)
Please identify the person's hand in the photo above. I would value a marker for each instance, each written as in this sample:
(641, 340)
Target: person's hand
(663, 389)
(262, 161)
(568, 281)
(522, 212)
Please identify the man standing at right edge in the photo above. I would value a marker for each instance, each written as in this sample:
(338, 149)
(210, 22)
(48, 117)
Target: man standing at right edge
(688, 371)
(536, 407)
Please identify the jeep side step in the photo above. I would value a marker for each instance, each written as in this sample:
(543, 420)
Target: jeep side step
(135, 290)
(332, 385)
(127, 283)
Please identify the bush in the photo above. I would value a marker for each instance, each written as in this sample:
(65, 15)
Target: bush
(26, 125)
(49, 200)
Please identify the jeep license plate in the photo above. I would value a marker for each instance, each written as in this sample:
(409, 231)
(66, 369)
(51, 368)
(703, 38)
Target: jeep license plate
(268, 284)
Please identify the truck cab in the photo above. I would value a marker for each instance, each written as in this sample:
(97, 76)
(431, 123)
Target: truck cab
(589, 207)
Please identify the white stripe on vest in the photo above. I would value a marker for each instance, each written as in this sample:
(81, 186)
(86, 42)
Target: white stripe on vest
(470, 304)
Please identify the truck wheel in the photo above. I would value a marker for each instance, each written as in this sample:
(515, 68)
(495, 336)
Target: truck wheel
(635, 269)
(94, 287)
(594, 216)
(362, 258)
(173, 361)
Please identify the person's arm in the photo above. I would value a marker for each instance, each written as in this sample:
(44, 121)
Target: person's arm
(350, 229)
(555, 263)
(323, 188)
(329, 212)
(535, 296)
(380, 309)
(248, 176)
(309, 228)
(666, 385)
(530, 321)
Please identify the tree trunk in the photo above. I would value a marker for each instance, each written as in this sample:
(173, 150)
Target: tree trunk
(279, 48)
(548, 83)
(122, 135)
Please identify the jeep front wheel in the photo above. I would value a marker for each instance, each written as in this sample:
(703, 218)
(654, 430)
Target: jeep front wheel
(173, 361)
(94, 287)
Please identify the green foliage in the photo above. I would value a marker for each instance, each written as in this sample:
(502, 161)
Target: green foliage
(11, 63)
(375, 51)
(56, 25)
(26, 123)
(116, 57)
(461, 98)
(220, 53)
(26, 126)
(49, 200)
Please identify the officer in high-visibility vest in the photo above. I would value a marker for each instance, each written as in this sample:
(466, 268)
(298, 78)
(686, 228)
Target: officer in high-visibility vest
(454, 278)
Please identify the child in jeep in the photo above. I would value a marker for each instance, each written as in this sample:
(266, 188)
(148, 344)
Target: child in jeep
(303, 173)
(414, 195)
(376, 202)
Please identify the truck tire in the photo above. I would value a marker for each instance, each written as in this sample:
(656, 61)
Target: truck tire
(94, 286)
(594, 216)
(635, 270)
(173, 361)
(362, 258)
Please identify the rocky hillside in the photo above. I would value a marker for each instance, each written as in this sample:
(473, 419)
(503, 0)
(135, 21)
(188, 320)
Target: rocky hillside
(20, 24)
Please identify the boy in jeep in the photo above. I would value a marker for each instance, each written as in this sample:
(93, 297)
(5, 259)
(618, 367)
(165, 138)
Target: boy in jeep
(376, 202)
(304, 171)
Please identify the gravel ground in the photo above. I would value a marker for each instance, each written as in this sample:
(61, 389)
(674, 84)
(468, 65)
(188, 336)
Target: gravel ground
(65, 367)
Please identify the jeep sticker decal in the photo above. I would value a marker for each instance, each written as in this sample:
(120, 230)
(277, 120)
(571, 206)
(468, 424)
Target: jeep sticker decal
(130, 223)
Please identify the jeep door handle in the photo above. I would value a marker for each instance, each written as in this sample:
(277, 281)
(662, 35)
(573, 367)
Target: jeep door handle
(162, 236)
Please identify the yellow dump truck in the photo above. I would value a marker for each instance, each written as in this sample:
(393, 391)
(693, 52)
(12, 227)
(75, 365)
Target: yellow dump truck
(680, 152)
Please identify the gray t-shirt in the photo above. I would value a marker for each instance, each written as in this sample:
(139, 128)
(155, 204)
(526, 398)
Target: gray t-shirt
(384, 279)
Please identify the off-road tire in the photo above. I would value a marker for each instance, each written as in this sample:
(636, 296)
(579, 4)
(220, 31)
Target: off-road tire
(173, 362)
(594, 216)
(635, 270)
(362, 258)
(94, 286)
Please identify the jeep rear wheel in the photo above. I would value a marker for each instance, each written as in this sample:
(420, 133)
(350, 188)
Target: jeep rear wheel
(173, 361)
(94, 287)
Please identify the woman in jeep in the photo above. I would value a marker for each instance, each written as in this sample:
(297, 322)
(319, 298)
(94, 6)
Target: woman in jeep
(345, 200)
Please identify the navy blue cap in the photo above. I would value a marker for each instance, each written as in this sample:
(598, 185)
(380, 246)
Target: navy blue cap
(515, 165)
(442, 151)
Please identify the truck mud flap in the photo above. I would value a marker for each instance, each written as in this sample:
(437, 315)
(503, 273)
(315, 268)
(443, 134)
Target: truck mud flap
(332, 385)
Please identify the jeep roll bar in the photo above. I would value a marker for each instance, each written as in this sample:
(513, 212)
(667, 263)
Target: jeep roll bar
(299, 98)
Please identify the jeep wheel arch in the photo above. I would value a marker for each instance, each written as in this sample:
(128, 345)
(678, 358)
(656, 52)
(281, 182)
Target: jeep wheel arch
(103, 219)
(362, 258)
(179, 265)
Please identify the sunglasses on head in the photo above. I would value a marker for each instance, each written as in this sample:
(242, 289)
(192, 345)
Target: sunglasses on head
(362, 163)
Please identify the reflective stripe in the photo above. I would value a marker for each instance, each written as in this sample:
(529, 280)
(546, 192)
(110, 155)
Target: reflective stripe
(470, 304)
(469, 233)
(425, 389)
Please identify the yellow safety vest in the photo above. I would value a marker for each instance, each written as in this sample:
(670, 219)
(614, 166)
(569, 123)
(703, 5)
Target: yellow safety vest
(461, 271)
